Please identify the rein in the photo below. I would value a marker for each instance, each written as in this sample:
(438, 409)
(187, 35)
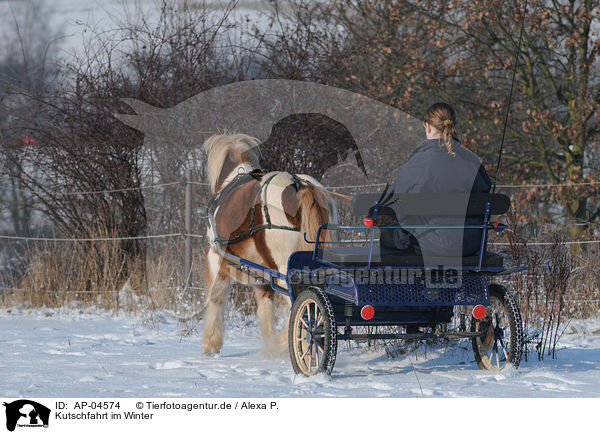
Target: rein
(343, 196)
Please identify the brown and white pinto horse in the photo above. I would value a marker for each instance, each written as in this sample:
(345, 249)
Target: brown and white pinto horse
(290, 201)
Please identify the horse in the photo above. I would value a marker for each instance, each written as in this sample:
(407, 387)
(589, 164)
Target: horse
(258, 216)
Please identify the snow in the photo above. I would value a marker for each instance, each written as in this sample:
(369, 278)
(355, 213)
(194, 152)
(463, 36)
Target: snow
(73, 353)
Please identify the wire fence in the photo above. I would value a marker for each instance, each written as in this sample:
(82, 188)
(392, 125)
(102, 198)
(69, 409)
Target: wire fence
(180, 183)
(550, 185)
(184, 235)
(566, 243)
(187, 235)
(141, 237)
(185, 182)
(87, 292)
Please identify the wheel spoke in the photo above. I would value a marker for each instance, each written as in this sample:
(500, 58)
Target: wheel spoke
(310, 346)
(305, 352)
(505, 328)
(495, 350)
(319, 321)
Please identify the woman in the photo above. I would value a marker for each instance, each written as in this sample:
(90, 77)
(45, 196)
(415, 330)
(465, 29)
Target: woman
(439, 165)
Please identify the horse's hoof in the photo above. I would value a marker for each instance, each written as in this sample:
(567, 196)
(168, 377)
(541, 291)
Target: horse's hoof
(283, 349)
(207, 352)
(270, 355)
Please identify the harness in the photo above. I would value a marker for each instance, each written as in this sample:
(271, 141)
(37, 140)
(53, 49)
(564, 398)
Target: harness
(241, 179)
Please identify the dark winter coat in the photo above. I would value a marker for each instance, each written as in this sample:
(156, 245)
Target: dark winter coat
(432, 169)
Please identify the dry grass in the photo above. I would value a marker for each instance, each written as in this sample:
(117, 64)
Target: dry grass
(100, 274)
(561, 283)
(583, 295)
(58, 274)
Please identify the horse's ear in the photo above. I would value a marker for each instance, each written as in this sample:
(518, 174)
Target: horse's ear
(381, 198)
(140, 107)
(146, 118)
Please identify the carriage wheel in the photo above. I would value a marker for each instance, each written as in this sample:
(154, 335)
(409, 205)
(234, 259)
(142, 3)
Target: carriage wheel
(312, 335)
(503, 341)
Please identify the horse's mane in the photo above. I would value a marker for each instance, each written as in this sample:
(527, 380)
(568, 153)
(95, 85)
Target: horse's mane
(241, 148)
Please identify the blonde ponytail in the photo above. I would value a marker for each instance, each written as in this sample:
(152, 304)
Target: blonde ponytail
(442, 117)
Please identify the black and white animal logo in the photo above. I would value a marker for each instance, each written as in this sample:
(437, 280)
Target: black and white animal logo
(26, 413)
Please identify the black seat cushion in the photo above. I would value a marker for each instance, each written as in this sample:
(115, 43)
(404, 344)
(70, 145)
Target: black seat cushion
(358, 256)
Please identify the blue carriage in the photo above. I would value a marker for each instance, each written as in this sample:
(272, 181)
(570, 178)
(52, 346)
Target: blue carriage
(348, 282)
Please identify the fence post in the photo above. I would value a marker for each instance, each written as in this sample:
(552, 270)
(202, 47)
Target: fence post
(188, 228)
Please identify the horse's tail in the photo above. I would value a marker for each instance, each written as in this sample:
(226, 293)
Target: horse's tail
(313, 213)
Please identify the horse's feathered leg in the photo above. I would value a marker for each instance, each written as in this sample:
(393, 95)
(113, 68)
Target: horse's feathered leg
(266, 315)
(213, 328)
(282, 344)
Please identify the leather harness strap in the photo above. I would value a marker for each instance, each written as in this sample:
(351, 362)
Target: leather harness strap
(239, 180)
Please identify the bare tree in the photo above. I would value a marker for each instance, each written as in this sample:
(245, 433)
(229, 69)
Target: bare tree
(83, 167)
(25, 68)
(410, 53)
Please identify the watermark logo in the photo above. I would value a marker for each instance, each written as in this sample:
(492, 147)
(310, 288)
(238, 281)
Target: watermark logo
(439, 277)
(25, 413)
(372, 142)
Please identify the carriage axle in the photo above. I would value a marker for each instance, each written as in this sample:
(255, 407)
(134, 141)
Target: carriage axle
(411, 336)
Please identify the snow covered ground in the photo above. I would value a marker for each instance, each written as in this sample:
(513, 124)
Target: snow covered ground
(71, 353)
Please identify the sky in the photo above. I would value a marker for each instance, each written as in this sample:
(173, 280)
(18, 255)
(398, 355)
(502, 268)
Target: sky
(64, 23)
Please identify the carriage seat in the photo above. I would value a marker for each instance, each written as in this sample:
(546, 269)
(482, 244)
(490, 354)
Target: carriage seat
(464, 205)
(359, 257)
